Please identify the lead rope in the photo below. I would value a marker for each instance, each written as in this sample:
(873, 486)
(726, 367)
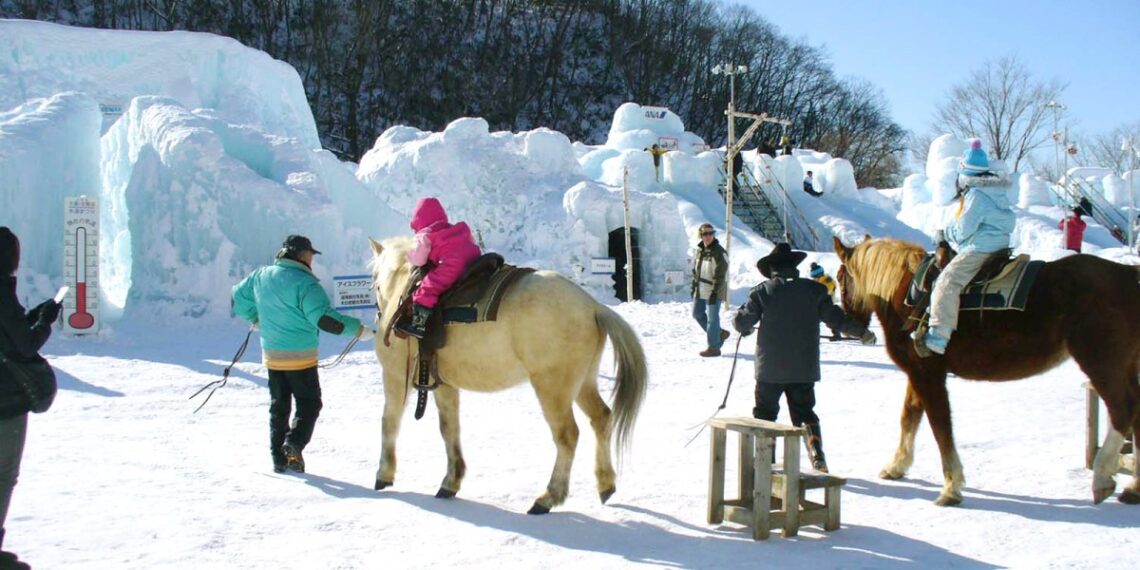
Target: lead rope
(225, 373)
(343, 353)
(723, 402)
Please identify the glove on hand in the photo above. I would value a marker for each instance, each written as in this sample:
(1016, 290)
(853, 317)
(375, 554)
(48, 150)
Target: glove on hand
(868, 338)
(256, 325)
(365, 333)
(49, 311)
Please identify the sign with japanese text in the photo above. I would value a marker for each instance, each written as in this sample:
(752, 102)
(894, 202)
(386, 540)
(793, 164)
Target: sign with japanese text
(353, 292)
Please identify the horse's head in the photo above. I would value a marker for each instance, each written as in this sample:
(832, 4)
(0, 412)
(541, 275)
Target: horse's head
(871, 273)
(390, 272)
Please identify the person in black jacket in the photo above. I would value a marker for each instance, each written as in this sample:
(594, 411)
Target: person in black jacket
(788, 309)
(22, 333)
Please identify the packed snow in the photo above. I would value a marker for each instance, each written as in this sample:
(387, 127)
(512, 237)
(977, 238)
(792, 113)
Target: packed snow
(212, 159)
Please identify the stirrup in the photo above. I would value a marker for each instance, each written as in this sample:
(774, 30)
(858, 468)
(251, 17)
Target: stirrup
(410, 329)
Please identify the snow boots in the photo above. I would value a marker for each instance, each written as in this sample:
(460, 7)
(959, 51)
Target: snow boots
(293, 458)
(417, 327)
(280, 462)
(815, 447)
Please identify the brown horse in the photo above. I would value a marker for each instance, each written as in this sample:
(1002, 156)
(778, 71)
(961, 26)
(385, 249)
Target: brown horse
(548, 331)
(1080, 306)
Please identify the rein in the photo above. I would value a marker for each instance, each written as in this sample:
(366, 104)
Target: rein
(724, 402)
(225, 373)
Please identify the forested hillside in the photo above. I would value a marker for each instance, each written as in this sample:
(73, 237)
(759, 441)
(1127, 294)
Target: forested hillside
(521, 64)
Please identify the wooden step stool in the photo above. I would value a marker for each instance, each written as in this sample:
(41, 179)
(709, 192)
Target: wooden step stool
(780, 488)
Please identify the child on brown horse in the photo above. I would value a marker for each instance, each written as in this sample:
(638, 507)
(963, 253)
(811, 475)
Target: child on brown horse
(981, 227)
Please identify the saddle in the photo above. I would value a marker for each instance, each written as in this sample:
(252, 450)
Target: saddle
(475, 298)
(1002, 284)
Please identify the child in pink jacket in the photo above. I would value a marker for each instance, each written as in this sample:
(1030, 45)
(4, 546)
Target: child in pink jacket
(449, 247)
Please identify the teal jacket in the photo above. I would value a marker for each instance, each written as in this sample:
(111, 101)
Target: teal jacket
(291, 307)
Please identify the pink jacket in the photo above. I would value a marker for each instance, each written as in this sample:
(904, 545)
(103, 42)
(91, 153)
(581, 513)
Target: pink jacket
(449, 247)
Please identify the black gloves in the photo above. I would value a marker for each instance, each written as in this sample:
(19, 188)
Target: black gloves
(49, 311)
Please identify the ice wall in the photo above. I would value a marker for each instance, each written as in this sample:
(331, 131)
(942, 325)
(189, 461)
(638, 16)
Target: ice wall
(49, 150)
(244, 86)
(192, 204)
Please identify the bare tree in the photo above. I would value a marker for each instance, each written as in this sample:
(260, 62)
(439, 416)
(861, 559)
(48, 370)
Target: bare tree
(1002, 104)
(1105, 149)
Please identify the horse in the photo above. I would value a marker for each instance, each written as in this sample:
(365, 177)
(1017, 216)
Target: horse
(1080, 306)
(549, 331)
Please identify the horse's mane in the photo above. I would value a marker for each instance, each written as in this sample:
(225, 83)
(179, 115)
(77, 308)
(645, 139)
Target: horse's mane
(391, 264)
(399, 245)
(877, 267)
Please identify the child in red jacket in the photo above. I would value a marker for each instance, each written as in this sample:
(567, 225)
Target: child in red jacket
(448, 247)
(1074, 228)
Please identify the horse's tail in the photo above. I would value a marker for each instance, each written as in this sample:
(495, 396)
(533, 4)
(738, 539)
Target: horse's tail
(632, 374)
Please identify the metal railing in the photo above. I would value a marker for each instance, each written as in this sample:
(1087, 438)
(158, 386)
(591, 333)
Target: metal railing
(800, 229)
(1103, 212)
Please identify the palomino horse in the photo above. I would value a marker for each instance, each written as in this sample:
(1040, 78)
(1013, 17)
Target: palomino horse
(1080, 306)
(550, 332)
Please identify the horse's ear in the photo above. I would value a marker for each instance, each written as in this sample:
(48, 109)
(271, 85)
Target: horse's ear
(866, 238)
(376, 247)
(841, 250)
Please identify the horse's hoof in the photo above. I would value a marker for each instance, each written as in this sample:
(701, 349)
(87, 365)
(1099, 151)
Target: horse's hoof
(1099, 495)
(948, 501)
(605, 495)
(890, 475)
(444, 493)
(538, 509)
(381, 485)
(1129, 497)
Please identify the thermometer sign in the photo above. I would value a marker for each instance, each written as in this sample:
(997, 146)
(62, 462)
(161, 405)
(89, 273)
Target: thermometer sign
(81, 265)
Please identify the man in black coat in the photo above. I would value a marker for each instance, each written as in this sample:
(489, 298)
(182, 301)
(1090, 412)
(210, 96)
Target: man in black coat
(789, 309)
(22, 333)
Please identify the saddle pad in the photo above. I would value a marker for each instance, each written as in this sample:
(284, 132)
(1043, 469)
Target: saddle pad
(483, 305)
(1009, 289)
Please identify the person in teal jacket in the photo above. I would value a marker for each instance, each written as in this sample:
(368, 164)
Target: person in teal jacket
(287, 303)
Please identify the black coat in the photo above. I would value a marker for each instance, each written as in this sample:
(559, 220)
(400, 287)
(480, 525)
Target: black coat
(22, 333)
(789, 310)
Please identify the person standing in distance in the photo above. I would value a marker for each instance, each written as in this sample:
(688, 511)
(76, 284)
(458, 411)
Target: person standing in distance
(287, 303)
(709, 288)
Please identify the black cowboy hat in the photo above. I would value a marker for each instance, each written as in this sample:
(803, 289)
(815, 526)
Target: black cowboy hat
(780, 256)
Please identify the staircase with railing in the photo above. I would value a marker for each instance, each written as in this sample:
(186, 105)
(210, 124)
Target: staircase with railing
(764, 205)
(1069, 194)
(754, 209)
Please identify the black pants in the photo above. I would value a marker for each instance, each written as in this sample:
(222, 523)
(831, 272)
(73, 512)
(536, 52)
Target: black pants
(304, 386)
(801, 402)
(13, 432)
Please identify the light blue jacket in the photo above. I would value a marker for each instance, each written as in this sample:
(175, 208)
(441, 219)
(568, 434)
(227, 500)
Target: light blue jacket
(288, 302)
(986, 221)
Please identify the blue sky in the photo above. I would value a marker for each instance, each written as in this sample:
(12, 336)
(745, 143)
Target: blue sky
(916, 50)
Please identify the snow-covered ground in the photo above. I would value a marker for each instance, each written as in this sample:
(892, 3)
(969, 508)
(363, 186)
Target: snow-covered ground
(121, 473)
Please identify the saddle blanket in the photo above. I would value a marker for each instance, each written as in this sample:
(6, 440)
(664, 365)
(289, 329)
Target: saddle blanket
(1008, 290)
